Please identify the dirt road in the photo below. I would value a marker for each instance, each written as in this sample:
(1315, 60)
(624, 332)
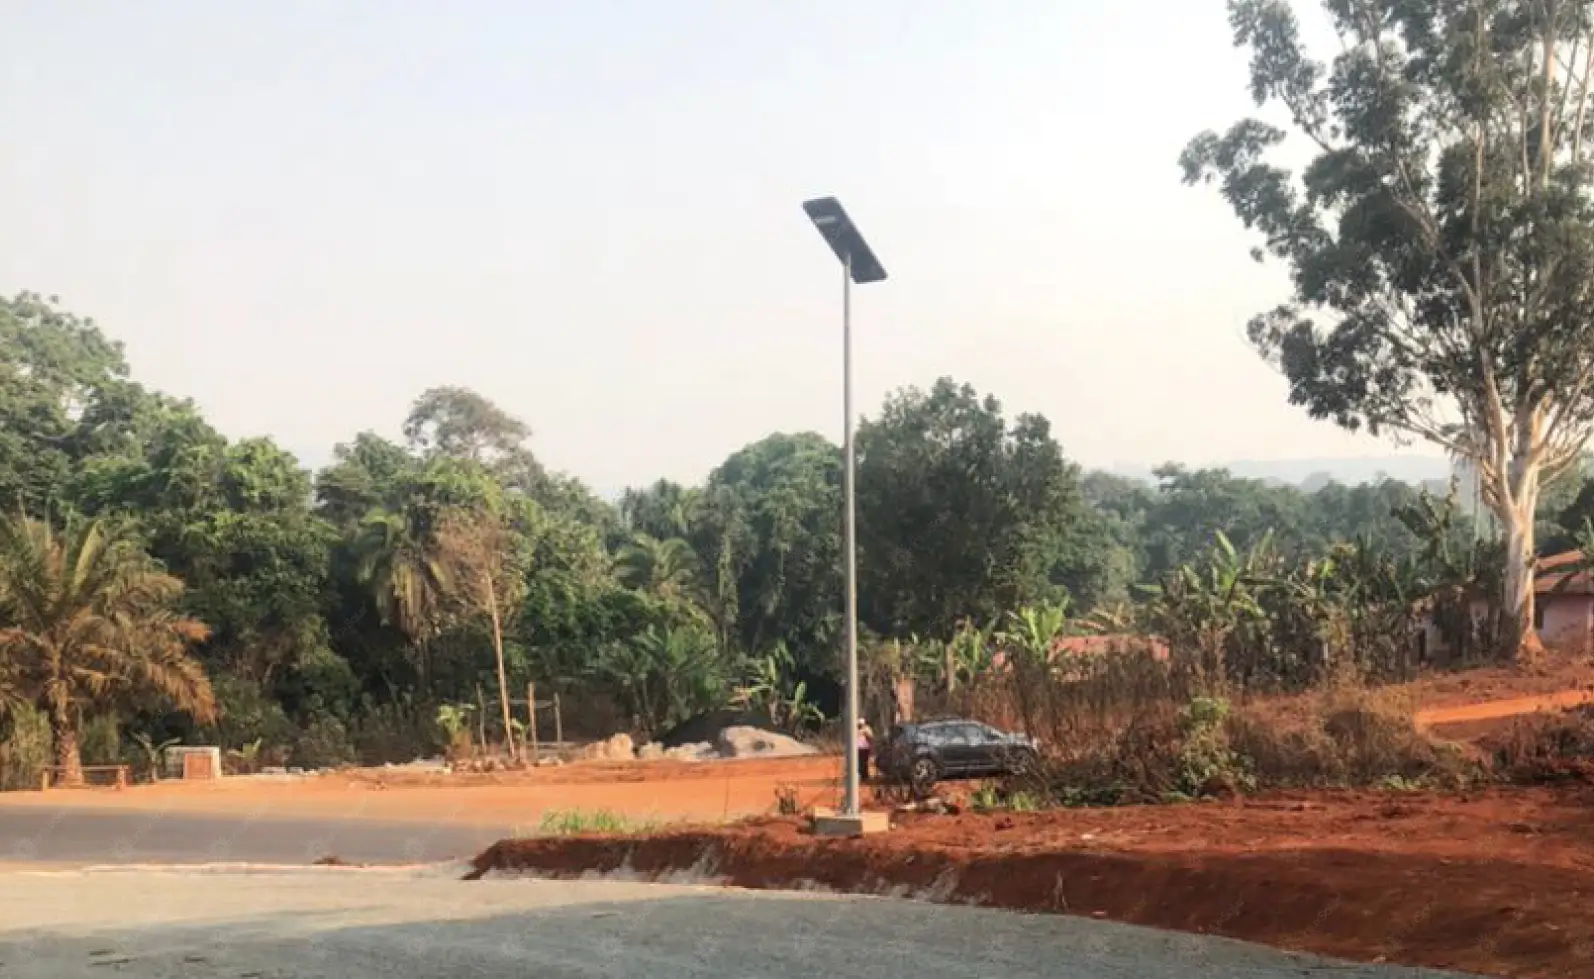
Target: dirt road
(381, 817)
(706, 792)
(389, 925)
(42, 835)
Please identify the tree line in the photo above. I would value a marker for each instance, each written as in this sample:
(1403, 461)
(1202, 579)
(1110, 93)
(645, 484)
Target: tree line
(324, 618)
(1439, 243)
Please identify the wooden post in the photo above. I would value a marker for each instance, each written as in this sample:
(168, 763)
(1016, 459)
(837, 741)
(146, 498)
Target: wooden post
(481, 716)
(558, 724)
(531, 721)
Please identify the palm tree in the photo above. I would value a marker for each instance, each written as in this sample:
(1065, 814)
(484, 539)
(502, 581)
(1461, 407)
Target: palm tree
(89, 618)
(666, 568)
(667, 674)
(398, 561)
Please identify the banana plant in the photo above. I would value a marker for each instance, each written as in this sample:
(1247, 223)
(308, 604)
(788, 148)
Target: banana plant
(968, 655)
(771, 690)
(1032, 631)
(666, 674)
(154, 753)
(1206, 607)
(454, 721)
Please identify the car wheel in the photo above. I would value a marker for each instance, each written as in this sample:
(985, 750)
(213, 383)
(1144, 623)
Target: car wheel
(923, 775)
(1024, 763)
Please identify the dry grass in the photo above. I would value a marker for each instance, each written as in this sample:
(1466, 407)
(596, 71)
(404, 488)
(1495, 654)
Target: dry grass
(1353, 738)
(1545, 748)
(1127, 728)
(1114, 728)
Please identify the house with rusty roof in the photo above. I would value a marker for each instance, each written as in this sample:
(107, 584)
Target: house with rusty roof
(1563, 600)
(1563, 607)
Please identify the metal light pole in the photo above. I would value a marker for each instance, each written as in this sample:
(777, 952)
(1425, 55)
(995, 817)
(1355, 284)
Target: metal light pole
(858, 264)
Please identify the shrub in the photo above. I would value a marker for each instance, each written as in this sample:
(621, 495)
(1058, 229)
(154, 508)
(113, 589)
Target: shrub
(400, 731)
(1373, 743)
(992, 798)
(246, 714)
(1351, 737)
(1207, 764)
(1135, 764)
(1284, 755)
(24, 748)
(985, 799)
(101, 740)
(1546, 747)
(324, 743)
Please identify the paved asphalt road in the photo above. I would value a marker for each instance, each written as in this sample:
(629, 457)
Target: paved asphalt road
(75, 835)
(390, 924)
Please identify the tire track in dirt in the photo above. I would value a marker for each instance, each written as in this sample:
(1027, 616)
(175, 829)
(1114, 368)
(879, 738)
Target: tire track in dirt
(1495, 710)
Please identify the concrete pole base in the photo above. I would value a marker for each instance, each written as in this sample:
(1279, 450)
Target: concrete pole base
(828, 822)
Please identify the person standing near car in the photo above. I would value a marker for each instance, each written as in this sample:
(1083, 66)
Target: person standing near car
(863, 743)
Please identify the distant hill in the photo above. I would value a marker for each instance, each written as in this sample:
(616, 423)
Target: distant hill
(1313, 474)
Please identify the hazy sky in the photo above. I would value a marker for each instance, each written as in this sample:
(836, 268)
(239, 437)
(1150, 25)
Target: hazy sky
(301, 213)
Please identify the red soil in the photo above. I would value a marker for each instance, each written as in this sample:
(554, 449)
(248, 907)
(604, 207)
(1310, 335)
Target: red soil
(1495, 884)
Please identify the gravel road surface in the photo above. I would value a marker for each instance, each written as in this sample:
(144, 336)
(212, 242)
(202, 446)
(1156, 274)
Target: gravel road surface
(392, 924)
(77, 835)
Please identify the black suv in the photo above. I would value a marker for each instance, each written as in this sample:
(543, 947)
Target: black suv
(926, 753)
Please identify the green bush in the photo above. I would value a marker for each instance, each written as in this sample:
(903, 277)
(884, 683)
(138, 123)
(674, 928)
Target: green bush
(246, 715)
(400, 731)
(1207, 764)
(990, 798)
(101, 740)
(324, 743)
(24, 748)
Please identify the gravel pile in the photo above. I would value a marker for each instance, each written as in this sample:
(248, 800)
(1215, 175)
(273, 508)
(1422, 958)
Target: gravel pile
(731, 742)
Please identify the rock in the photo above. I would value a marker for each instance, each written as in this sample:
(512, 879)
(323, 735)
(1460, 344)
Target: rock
(934, 806)
(701, 751)
(655, 751)
(750, 742)
(616, 748)
(550, 762)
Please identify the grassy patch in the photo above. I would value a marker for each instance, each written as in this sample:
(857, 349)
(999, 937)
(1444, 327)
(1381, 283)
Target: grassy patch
(580, 822)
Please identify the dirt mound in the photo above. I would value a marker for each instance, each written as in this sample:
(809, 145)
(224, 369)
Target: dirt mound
(654, 751)
(706, 728)
(751, 742)
(616, 748)
(1491, 885)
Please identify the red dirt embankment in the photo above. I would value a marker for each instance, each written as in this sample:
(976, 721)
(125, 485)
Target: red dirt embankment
(1495, 884)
